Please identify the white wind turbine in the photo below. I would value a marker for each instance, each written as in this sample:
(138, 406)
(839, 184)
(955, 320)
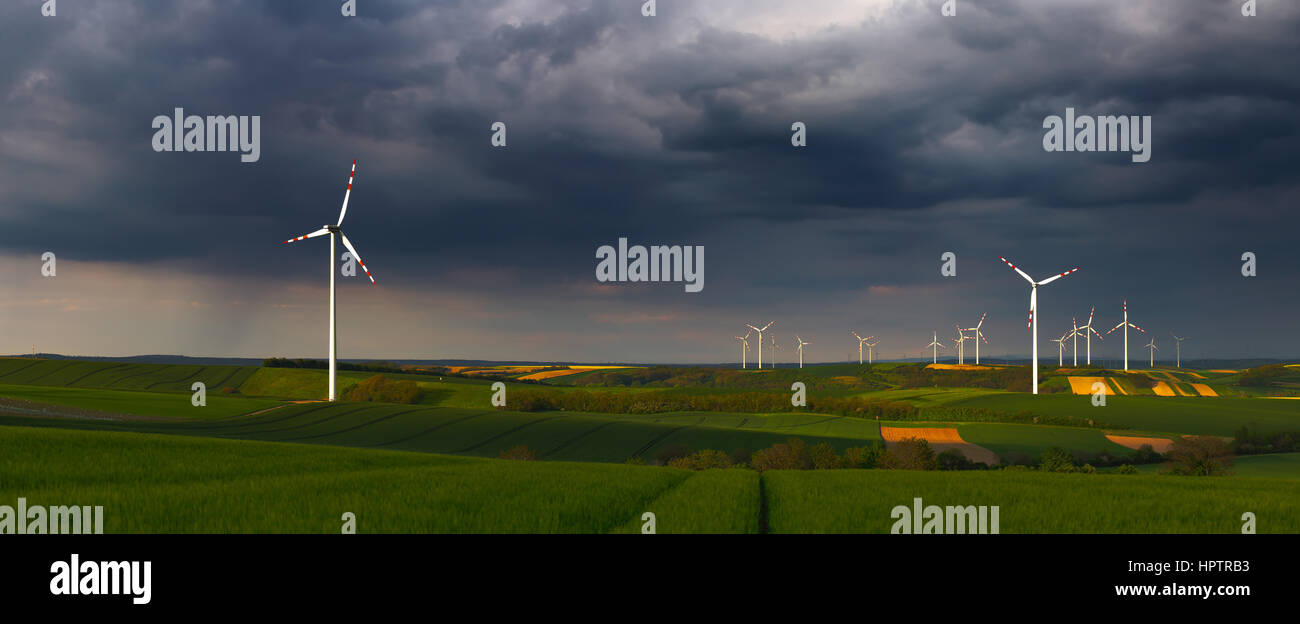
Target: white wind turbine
(1179, 347)
(1088, 331)
(1152, 348)
(1033, 307)
(961, 345)
(1060, 348)
(860, 341)
(1074, 340)
(934, 348)
(744, 348)
(977, 337)
(1125, 324)
(801, 344)
(870, 346)
(760, 341)
(775, 347)
(336, 231)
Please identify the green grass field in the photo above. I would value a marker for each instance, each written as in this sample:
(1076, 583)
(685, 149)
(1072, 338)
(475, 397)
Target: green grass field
(251, 460)
(859, 501)
(170, 484)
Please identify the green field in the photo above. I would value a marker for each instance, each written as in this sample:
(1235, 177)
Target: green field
(859, 501)
(171, 484)
(127, 437)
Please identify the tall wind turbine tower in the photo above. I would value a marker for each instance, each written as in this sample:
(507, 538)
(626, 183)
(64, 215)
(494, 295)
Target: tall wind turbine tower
(1033, 307)
(1126, 324)
(760, 341)
(1152, 348)
(1060, 349)
(860, 341)
(977, 337)
(336, 232)
(871, 345)
(934, 348)
(1179, 347)
(800, 347)
(744, 348)
(1088, 331)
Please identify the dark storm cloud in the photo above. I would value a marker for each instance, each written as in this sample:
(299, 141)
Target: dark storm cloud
(924, 135)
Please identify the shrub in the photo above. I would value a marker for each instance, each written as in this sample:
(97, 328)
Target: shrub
(824, 457)
(909, 454)
(520, 452)
(702, 460)
(670, 452)
(953, 459)
(1056, 459)
(1203, 456)
(380, 390)
(863, 456)
(1127, 469)
(792, 455)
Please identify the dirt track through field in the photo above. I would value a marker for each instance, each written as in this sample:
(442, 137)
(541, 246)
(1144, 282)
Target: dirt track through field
(940, 439)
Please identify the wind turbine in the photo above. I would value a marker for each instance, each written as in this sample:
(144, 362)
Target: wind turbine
(336, 231)
(961, 345)
(860, 341)
(1125, 324)
(744, 348)
(760, 341)
(1074, 339)
(1179, 347)
(978, 337)
(1152, 348)
(775, 346)
(801, 344)
(934, 347)
(1033, 307)
(870, 345)
(1088, 331)
(1060, 349)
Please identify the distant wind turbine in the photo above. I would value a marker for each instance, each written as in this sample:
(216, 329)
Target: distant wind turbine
(934, 348)
(1088, 331)
(1060, 348)
(871, 345)
(336, 231)
(1126, 324)
(800, 347)
(961, 345)
(744, 348)
(978, 337)
(760, 341)
(860, 341)
(1033, 307)
(1179, 347)
(1152, 348)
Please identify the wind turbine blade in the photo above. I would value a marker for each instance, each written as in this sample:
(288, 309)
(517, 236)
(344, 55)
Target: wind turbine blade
(1112, 330)
(353, 250)
(753, 328)
(1022, 273)
(855, 335)
(1033, 305)
(769, 324)
(1137, 328)
(306, 236)
(1057, 277)
(1090, 312)
(347, 193)
(981, 323)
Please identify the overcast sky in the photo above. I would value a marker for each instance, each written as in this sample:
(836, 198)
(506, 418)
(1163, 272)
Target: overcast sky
(924, 135)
